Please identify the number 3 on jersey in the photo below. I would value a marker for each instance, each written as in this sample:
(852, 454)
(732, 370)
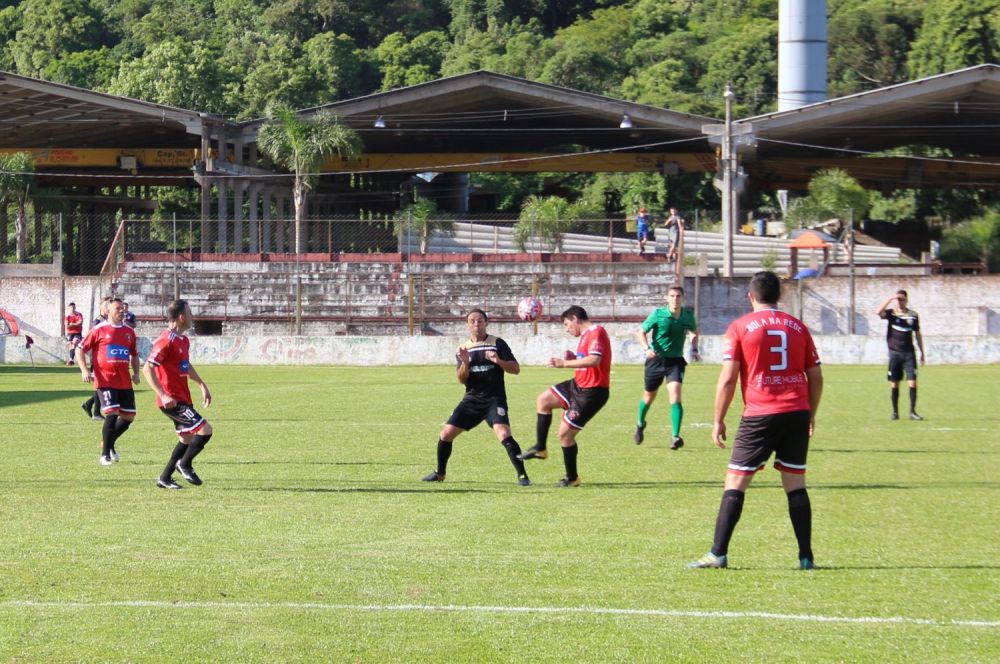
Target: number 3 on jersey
(781, 350)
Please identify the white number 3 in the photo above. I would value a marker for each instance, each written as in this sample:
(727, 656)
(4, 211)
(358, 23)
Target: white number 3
(781, 349)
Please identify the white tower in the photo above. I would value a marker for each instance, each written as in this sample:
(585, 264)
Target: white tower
(801, 53)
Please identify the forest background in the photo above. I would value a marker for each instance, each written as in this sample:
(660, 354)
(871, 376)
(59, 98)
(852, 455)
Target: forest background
(235, 57)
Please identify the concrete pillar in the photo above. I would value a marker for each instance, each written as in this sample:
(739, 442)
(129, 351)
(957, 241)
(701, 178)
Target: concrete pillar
(206, 185)
(238, 189)
(284, 222)
(267, 224)
(222, 187)
(254, 202)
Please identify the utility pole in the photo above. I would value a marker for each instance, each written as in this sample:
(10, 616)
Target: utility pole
(727, 188)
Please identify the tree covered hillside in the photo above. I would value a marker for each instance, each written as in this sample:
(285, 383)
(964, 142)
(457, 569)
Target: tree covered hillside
(233, 57)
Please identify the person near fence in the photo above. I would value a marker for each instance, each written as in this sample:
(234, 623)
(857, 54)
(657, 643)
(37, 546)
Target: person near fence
(903, 326)
(129, 316)
(673, 227)
(112, 347)
(92, 405)
(168, 369)
(662, 336)
(580, 397)
(642, 229)
(774, 358)
(74, 331)
(482, 362)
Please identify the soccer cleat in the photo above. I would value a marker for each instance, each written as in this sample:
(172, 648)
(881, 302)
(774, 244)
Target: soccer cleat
(115, 456)
(710, 561)
(105, 460)
(433, 477)
(188, 474)
(567, 482)
(639, 435)
(914, 416)
(533, 453)
(677, 443)
(806, 563)
(894, 416)
(97, 417)
(86, 410)
(523, 480)
(168, 484)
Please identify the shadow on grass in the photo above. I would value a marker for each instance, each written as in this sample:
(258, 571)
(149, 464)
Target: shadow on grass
(842, 568)
(8, 370)
(24, 398)
(357, 489)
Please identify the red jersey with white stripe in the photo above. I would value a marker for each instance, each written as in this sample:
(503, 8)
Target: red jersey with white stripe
(74, 323)
(112, 348)
(774, 350)
(594, 341)
(170, 356)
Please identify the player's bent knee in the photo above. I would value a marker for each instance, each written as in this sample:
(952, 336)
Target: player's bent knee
(206, 429)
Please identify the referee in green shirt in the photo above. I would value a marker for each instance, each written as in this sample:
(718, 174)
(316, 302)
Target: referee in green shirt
(662, 337)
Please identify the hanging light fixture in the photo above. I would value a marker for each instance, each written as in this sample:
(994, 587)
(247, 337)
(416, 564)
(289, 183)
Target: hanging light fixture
(626, 122)
(380, 122)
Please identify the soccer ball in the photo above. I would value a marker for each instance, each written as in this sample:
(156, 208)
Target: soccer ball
(529, 309)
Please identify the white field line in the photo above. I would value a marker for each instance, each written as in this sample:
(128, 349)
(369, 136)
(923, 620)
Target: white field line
(458, 608)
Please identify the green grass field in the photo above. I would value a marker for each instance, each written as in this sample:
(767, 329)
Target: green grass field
(313, 539)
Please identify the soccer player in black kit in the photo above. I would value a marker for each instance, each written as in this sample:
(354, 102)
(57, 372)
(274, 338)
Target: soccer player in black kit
(482, 362)
(904, 325)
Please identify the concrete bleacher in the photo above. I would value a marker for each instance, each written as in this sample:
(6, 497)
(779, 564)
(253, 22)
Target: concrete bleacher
(748, 250)
(365, 293)
(475, 266)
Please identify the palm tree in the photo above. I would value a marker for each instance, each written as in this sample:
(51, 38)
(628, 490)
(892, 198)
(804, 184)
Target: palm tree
(302, 145)
(16, 180)
(546, 219)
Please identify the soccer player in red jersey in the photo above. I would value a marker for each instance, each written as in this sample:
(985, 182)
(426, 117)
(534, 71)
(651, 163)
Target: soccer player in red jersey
(167, 370)
(774, 357)
(581, 397)
(113, 351)
(74, 331)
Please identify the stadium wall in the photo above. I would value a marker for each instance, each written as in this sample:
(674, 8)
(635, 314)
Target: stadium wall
(530, 350)
(960, 318)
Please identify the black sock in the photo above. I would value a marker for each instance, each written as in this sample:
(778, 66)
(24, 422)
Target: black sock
(194, 449)
(513, 449)
(444, 452)
(800, 512)
(542, 430)
(895, 399)
(913, 399)
(729, 515)
(175, 456)
(121, 426)
(569, 459)
(108, 435)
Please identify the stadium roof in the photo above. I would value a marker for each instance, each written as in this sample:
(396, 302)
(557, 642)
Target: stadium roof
(486, 112)
(35, 113)
(955, 114)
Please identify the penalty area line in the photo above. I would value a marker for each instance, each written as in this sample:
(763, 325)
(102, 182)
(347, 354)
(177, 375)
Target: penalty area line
(459, 608)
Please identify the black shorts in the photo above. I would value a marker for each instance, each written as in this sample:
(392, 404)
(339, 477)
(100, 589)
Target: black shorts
(581, 403)
(186, 419)
(900, 363)
(785, 434)
(472, 410)
(74, 339)
(115, 401)
(660, 369)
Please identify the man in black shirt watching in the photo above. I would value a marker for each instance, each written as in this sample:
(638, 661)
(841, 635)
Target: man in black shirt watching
(482, 362)
(904, 325)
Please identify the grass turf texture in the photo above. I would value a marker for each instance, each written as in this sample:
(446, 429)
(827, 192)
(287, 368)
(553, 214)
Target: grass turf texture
(314, 540)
